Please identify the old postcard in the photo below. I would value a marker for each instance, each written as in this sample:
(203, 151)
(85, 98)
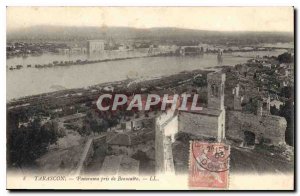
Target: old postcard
(150, 98)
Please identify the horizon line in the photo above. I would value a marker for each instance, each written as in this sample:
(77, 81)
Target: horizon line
(156, 27)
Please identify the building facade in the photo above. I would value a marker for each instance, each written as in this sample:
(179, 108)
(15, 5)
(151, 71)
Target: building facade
(95, 46)
(210, 121)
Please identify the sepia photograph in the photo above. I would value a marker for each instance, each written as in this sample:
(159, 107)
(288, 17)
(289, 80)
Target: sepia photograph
(150, 98)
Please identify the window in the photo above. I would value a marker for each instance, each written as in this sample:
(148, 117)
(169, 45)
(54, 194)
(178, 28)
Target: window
(222, 89)
(214, 90)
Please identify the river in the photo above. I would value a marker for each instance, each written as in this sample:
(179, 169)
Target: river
(32, 81)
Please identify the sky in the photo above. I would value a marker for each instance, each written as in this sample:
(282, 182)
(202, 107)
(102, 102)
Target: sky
(202, 18)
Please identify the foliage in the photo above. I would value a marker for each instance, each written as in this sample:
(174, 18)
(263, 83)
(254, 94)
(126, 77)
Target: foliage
(251, 106)
(286, 111)
(285, 58)
(200, 82)
(27, 143)
(287, 92)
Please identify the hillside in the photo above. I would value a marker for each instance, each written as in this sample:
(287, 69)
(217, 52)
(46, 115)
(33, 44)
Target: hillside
(67, 33)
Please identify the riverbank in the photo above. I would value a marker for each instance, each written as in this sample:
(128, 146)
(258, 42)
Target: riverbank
(31, 81)
(84, 62)
(69, 96)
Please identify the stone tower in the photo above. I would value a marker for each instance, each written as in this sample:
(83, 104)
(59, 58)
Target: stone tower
(259, 111)
(215, 98)
(215, 90)
(268, 104)
(237, 105)
(263, 107)
(166, 127)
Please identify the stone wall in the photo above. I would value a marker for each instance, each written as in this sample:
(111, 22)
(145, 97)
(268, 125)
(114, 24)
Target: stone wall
(171, 129)
(88, 153)
(99, 141)
(159, 149)
(119, 150)
(269, 128)
(85, 157)
(166, 127)
(198, 125)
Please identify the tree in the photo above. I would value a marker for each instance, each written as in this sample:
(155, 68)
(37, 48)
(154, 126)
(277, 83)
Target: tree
(200, 82)
(274, 110)
(287, 92)
(285, 58)
(287, 111)
(112, 122)
(26, 144)
(251, 106)
(85, 130)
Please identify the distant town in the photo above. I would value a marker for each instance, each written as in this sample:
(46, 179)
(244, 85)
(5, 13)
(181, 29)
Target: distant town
(109, 49)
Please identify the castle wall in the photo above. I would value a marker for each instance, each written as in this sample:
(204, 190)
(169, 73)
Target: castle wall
(88, 152)
(99, 141)
(159, 149)
(171, 129)
(165, 116)
(199, 125)
(270, 128)
(166, 126)
(118, 150)
(221, 125)
(130, 150)
(85, 156)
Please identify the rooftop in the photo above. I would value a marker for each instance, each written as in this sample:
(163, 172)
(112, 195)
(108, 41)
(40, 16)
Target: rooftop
(205, 111)
(122, 139)
(128, 139)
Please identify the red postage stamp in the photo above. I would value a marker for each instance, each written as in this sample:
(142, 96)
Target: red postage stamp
(209, 165)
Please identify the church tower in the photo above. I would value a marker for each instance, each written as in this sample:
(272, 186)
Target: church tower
(215, 90)
(237, 101)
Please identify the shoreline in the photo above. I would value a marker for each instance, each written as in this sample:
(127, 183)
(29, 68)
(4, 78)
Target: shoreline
(85, 62)
(92, 89)
(112, 82)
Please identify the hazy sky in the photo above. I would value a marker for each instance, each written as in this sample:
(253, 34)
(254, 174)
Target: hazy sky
(204, 18)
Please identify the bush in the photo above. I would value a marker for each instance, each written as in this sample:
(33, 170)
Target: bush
(26, 144)
(285, 58)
